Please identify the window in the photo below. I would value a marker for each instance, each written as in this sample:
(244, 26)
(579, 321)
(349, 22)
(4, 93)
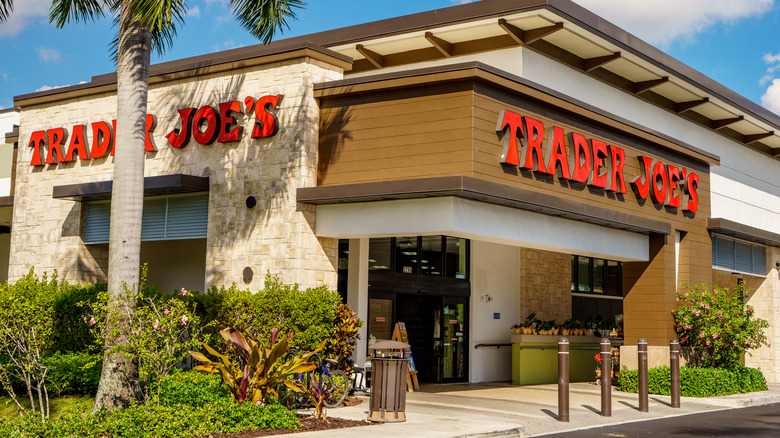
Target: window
(596, 276)
(738, 256)
(596, 286)
(436, 256)
(165, 218)
(379, 251)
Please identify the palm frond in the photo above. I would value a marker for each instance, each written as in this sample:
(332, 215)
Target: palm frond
(6, 7)
(263, 18)
(161, 16)
(62, 11)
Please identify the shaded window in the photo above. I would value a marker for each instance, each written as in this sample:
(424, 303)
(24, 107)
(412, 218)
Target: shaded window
(379, 251)
(406, 255)
(456, 258)
(431, 256)
(174, 217)
(596, 276)
(738, 256)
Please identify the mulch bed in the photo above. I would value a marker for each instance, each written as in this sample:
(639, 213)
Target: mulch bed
(308, 424)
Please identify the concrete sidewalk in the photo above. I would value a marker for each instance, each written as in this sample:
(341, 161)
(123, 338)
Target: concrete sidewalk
(504, 410)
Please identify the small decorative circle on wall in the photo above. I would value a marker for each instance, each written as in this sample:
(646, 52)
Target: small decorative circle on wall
(251, 202)
(248, 274)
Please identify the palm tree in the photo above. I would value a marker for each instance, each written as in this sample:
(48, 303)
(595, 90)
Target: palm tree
(143, 25)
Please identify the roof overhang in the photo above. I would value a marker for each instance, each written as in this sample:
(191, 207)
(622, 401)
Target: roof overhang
(573, 36)
(559, 29)
(153, 185)
(483, 73)
(13, 136)
(196, 66)
(483, 191)
(741, 231)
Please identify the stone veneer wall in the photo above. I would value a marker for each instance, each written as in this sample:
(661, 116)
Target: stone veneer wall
(545, 284)
(766, 300)
(275, 236)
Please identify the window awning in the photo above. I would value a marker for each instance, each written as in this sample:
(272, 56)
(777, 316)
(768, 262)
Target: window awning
(726, 227)
(153, 185)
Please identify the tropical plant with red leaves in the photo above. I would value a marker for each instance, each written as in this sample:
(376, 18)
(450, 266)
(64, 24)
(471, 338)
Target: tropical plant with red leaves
(253, 372)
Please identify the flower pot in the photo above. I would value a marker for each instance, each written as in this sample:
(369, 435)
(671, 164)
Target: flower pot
(516, 330)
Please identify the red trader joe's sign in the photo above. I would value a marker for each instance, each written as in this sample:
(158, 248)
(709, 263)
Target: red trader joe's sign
(205, 125)
(593, 162)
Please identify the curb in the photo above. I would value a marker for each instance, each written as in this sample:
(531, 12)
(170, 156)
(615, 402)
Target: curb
(517, 432)
(759, 401)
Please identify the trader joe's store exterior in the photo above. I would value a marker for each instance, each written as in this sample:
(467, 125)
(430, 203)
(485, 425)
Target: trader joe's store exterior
(455, 170)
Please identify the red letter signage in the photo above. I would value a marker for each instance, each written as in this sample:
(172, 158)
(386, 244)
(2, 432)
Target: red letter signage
(513, 121)
(591, 161)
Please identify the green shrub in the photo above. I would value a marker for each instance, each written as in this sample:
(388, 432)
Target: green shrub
(155, 421)
(191, 388)
(310, 313)
(696, 382)
(74, 373)
(71, 333)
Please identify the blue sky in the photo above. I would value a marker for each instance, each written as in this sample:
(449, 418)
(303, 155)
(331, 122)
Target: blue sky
(734, 42)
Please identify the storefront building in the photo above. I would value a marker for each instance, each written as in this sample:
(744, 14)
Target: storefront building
(455, 170)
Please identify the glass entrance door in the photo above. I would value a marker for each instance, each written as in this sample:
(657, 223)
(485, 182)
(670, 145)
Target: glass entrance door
(453, 339)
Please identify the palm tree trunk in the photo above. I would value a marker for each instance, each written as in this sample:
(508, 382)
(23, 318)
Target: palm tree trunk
(119, 383)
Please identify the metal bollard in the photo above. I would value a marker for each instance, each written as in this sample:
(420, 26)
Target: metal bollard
(606, 378)
(642, 357)
(563, 380)
(674, 364)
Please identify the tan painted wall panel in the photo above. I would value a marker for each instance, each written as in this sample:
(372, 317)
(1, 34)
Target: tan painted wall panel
(403, 135)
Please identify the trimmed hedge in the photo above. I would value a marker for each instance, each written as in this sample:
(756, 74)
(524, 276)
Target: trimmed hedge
(696, 382)
(309, 313)
(191, 388)
(155, 421)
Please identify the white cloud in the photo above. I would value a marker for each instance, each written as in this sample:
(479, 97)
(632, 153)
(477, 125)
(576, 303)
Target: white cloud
(194, 12)
(24, 12)
(227, 45)
(50, 87)
(664, 21)
(460, 2)
(47, 54)
(771, 98)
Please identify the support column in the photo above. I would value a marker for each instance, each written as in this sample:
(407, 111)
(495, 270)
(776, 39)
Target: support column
(357, 292)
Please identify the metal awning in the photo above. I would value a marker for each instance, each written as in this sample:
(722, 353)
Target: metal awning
(741, 231)
(153, 185)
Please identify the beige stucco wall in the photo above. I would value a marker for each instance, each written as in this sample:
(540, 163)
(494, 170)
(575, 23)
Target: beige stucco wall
(545, 284)
(765, 298)
(275, 236)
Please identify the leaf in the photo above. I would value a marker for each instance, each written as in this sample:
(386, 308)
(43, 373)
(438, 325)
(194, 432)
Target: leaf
(210, 350)
(199, 356)
(205, 368)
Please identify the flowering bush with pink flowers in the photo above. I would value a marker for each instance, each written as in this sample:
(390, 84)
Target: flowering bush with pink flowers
(162, 329)
(717, 325)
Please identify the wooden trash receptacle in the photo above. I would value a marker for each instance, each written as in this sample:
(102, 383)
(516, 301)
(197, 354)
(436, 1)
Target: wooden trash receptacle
(388, 390)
